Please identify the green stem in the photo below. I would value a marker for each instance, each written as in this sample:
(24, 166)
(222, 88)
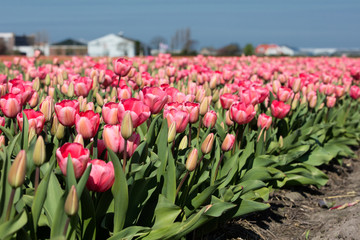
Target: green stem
(182, 182)
(66, 226)
(189, 143)
(37, 177)
(217, 167)
(124, 155)
(11, 200)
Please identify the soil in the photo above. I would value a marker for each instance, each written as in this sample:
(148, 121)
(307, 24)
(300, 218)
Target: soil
(296, 213)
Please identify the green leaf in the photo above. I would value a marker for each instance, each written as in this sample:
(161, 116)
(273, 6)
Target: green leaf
(170, 180)
(10, 227)
(165, 213)
(58, 224)
(130, 233)
(25, 132)
(162, 146)
(120, 193)
(249, 206)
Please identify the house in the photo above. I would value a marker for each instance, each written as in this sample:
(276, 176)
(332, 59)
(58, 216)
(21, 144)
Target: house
(25, 44)
(69, 47)
(208, 51)
(274, 50)
(114, 45)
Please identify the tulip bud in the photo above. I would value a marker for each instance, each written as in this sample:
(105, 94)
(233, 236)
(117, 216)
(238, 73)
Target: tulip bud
(60, 131)
(113, 93)
(127, 126)
(39, 154)
(215, 95)
(207, 144)
(72, 202)
(98, 109)
(17, 170)
(281, 141)
(192, 160)
(172, 132)
(71, 90)
(228, 119)
(2, 140)
(79, 139)
(204, 105)
(60, 79)
(47, 80)
(296, 85)
(32, 134)
(54, 126)
(228, 142)
(183, 143)
(36, 84)
(207, 92)
(213, 82)
(99, 100)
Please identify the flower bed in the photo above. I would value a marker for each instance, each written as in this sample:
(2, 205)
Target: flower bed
(157, 147)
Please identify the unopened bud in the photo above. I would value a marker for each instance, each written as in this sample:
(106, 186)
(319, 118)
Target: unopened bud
(70, 92)
(215, 96)
(54, 126)
(172, 132)
(32, 134)
(183, 143)
(191, 161)
(60, 79)
(72, 202)
(204, 105)
(36, 84)
(213, 82)
(39, 154)
(99, 100)
(16, 176)
(281, 141)
(207, 144)
(228, 142)
(47, 80)
(113, 93)
(126, 126)
(79, 139)
(60, 131)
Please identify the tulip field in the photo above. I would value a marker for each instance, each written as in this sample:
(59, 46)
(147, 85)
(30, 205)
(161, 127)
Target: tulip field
(163, 147)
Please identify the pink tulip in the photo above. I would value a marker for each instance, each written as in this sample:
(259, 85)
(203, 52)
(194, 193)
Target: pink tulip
(154, 97)
(228, 142)
(124, 92)
(79, 156)
(66, 111)
(110, 113)
(10, 105)
(101, 177)
(193, 110)
(139, 111)
(87, 123)
(354, 92)
(227, 99)
(330, 101)
(36, 120)
(242, 113)
(339, 91)
(2, 122)
(264, 121)
(132, 144)
(82, 86)
(279, 109)
(112, 138)
(122, 66)
(284, 94)
(209, 119)
(180, 117)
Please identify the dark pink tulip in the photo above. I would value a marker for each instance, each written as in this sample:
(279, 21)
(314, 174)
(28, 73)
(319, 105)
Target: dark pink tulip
(36, 120)
(209, 119)
(354, 92)
(139, 111)
(122, 66)
(124, 92)
(10, 105)
(264, 121)
(180, 117)
(110, 113)
(242, 113)
(227, 99)
(79, 156)
(249, 96)
(279, 109)
(24, 92)
(87, 123)
(101, 177)
(154, 97)
(2, 122)
(66, 111)
(284, 94)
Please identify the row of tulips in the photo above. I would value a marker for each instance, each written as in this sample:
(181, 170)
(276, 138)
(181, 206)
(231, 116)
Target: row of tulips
(159, 147)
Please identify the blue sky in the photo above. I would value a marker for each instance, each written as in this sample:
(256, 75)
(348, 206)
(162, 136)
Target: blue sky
(309, 23)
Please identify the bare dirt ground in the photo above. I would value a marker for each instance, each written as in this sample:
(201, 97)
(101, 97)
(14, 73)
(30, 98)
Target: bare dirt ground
(296, 213)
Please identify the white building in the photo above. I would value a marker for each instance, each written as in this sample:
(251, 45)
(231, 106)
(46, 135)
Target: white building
(25, 45)
(112, 45)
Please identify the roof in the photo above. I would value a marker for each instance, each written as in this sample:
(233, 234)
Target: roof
(112, 35)
(69, 42)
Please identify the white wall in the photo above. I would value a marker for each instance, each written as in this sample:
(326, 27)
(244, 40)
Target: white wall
(111, 45)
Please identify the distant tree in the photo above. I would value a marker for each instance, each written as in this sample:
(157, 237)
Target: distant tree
(3, 48)
(182, 41)
(249, 49)
(232, 49)
(155, 41)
